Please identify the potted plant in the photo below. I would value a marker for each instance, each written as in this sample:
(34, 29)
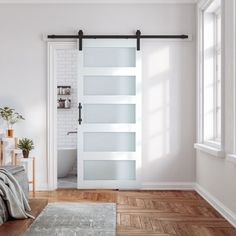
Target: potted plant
(26, 145)
(11, 117)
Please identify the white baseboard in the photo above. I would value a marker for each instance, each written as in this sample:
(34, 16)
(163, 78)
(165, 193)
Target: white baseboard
(218, 205)
(231, 158)
(145, 186)
(167, 186)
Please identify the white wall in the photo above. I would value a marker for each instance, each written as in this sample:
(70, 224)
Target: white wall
(214, 175)
(168, 76)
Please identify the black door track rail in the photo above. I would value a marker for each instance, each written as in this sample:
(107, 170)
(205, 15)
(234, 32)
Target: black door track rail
(80, 36)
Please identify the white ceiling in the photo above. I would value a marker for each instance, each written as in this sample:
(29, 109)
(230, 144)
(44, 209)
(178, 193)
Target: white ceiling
(99, 1)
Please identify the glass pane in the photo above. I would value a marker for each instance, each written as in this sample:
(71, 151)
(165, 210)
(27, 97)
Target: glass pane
(109, 57)
(109, 113)
(218, 22)
(109, 170)
(109, 85)
(218, 95)
(209, 109)
(218, 67)
(109, 142)
(218, 132)
(209, 75)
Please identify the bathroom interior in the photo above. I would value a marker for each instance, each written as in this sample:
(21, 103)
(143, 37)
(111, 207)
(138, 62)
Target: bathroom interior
(66, 76)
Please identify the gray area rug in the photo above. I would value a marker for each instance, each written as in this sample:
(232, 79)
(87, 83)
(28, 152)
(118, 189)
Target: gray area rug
(72, 219)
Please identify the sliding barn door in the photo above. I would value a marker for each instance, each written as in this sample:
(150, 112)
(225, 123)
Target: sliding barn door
(109, 125)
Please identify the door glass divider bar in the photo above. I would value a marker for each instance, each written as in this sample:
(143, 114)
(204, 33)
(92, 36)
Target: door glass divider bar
(137, 36)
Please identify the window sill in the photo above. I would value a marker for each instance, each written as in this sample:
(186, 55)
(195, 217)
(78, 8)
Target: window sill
(231, 158)
(210, 150)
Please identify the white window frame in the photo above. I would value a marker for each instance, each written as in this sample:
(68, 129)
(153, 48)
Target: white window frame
(232, 157)
(234, 73)
(211, 147)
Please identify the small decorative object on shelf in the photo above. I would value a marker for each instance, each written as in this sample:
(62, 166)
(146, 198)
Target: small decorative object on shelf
(60, 103)
(67, 103)
(63, 103)
(26, 145)
(11, 117)
(63, 90)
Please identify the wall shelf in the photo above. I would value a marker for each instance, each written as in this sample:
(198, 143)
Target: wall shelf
(63, 90)
(61, 104)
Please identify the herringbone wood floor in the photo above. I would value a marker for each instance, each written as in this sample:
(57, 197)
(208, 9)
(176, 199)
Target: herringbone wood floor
(158, 213)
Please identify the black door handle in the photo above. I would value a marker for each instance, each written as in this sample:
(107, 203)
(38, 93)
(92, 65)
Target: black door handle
(80, 108)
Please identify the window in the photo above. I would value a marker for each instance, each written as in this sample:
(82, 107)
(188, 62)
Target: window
(211, 75)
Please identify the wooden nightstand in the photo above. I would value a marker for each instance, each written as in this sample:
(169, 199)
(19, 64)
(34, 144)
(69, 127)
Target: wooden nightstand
(27, 163)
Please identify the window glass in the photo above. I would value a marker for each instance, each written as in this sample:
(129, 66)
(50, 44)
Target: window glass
(212, 74)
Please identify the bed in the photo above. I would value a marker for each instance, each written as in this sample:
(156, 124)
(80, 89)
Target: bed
(20, 174)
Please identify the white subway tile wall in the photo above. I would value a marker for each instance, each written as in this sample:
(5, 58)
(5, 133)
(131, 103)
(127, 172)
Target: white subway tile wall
(67, 118)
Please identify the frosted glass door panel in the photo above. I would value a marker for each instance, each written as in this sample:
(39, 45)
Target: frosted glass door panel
(109, 113)
(109, 142)
(109, 170)
(109, 57)
(109, 85)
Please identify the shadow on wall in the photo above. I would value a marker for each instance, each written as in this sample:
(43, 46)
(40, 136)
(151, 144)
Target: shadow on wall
(165, 102)
(158, 104)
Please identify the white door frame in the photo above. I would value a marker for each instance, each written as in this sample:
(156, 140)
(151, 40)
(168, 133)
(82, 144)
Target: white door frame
(52, 110)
